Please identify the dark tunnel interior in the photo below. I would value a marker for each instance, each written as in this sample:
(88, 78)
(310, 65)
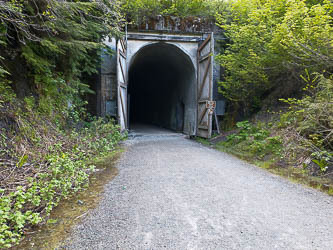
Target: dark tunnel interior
(161, 87)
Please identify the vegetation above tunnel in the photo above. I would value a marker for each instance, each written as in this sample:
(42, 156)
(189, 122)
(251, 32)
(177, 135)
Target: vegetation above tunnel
(139, 9)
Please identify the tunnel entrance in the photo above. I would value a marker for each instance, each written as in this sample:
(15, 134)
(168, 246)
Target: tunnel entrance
(162, 88)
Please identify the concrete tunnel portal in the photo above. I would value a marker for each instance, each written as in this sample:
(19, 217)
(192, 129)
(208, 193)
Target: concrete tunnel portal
(162, 88)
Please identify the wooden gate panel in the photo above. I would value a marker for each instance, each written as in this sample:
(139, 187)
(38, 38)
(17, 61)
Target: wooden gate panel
(122, 84)
(205, 87)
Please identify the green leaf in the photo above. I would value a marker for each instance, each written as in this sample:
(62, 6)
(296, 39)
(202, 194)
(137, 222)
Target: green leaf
(23, 160)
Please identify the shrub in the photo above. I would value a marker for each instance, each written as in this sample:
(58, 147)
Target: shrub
(253, 141)
(311, 118)
(55, 163)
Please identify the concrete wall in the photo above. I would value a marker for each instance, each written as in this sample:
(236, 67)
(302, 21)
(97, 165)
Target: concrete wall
(188, 44)
(175, 24)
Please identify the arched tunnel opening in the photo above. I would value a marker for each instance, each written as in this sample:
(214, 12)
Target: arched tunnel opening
(162, 88)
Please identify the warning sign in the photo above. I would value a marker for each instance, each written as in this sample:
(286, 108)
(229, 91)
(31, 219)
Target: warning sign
(211, 105)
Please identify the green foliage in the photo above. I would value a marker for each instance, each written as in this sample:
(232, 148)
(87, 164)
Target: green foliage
(2, 70)
(45, 152)
(279, 46)
(253, 142)
(141, 9)
(7, 93)
(312, 118)
(270, 44)
(63, 172)
(303, 135)
(50, 47)
(48, 50)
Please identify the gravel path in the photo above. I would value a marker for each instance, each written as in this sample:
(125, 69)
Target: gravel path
(173, 193)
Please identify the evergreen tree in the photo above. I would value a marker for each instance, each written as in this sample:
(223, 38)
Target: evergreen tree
(46, 46)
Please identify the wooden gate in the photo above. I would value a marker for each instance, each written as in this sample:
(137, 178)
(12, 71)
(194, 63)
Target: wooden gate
(122, 84)
(206, 104)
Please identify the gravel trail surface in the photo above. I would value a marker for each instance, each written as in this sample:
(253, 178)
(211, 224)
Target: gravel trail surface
(173, 193)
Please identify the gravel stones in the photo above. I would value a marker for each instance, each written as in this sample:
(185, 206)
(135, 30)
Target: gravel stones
(173, 193)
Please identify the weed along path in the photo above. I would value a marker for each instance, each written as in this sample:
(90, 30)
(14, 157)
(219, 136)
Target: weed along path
(174, 193)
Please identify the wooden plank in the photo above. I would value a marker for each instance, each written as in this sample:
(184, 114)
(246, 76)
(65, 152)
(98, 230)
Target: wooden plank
(217, 123)
(122, 54)
(155, 37)
(203, 127)
(205, 57)
(121, 84)
(204, 79)
(122, 107)
(204, 43)
(123, 45)
(203, 101)
(202, 115)
(211, 72)
(122, 69)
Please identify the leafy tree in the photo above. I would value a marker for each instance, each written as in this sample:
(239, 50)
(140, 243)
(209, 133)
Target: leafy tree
(271, 43)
